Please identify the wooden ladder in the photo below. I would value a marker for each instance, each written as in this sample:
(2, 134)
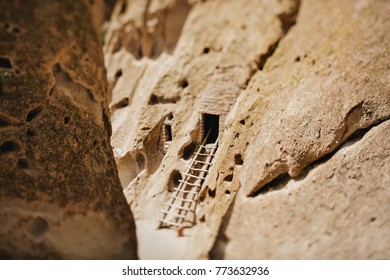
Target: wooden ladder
(181, 204)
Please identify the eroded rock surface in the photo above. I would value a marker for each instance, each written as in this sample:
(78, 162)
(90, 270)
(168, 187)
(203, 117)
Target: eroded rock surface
(291, 81)
(329, 85)
(338, 210)
(149, 89)
(60, 195)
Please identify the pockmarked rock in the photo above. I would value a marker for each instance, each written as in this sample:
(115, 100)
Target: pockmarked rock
(338, 210)
(60, 195)
(280, 85)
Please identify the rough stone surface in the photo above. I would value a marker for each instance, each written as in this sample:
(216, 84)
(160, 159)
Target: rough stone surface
(60, 195)
(292, 81)
(329, 85)
(151, 80)
(339, 209)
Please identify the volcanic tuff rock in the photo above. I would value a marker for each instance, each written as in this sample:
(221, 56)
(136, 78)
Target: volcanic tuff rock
(327, 79)
(298, 78)
(163, 75)
(338, 209)
(60, 195)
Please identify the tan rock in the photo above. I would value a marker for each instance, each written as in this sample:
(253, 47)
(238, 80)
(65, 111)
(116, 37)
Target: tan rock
(284, 123)
(60, 195)
(291, 81)
(338, 210)
(332, 81)
(153, 80)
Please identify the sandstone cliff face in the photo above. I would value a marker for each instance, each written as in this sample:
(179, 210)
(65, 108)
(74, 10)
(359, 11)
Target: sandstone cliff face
(60, 196)
(292, 81)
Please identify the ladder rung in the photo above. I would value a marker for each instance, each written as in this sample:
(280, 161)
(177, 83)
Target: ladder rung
(169, 222)
(212, 147)
(202, 162)
(178, 207)
(184, 191)
(201, 154)
(188, 183)
(182, 199)
(174, 214)
(193, 176)
(198, 169)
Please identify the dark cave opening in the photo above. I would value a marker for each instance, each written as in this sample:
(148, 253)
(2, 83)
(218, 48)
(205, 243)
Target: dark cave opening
(167, 132)
(211, 128)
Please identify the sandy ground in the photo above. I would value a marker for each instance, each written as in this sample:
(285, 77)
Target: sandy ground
(157, 244)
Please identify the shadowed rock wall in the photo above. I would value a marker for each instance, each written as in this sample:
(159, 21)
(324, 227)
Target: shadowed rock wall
(60, 195)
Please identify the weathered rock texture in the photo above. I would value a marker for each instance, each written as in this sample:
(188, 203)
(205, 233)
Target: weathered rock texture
(60, 195)
(339, 209)
(157, 74)
(304, 78)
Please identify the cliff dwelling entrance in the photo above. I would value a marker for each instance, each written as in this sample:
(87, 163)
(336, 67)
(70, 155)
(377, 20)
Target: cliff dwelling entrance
(179, 209)
(210, 128)
(167, 132)
(166, 135)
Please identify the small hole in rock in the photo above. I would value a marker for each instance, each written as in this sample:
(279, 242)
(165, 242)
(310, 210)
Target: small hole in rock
(140, 161)
(238, 159)
(118, 74)
(174, 180)
(372, 219)
(188, 151)
(206, 50)
(184, 83)
(242, 122)
(5, 63)
(33, 113)
(66, 120)
(228, 178)
(38, 227)
(16, 30)
(202, 219)
(202, 195)
(122, 104)
(212, 193)
(94, 142)
(22, 164)
(297, 59)
(9, 146)
(4, 121)
(153, 99)
(123, 7)
(227, 192)
(30, 132)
